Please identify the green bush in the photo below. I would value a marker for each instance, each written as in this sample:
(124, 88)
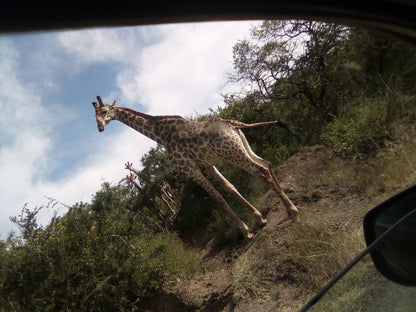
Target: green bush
(361, 130)
(90, 259)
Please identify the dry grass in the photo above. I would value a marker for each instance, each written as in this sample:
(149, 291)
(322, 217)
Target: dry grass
(302, 255)
(397, 162)
(287, 263)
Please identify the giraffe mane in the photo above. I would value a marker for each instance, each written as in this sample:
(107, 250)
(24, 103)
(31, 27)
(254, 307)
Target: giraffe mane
(147, 116)
(136, 112)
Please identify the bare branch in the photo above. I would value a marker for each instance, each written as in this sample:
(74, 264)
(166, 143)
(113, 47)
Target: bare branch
(129, 166)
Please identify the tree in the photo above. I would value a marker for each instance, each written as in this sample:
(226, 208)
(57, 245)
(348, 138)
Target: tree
(287, 60)
(316, 74)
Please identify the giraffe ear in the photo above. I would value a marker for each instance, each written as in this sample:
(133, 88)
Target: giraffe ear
(95, 104)
(113, 103)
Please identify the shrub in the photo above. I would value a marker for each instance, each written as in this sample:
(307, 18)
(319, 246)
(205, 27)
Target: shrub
(89, 259)
(361, 130)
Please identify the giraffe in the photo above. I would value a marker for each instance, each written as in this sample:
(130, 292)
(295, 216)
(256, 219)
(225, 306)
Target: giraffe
(196, 148)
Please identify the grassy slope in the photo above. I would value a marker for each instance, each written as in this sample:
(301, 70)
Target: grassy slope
(286, 263)
(333, 195)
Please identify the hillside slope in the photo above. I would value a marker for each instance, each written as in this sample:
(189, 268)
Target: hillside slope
(286, 263)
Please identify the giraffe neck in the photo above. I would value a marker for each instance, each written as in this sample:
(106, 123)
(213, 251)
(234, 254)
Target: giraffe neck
(143, 123)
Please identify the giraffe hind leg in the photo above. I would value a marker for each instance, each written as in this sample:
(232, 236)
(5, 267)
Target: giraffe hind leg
(228, 186)
(262, 169)
(246, 146)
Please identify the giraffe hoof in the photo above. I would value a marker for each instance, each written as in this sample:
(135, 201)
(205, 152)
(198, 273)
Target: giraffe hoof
(293, 217)
(293, 214)
(262, 223)
(249, 235)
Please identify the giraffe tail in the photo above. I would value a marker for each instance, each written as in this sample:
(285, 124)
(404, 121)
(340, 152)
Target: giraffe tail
(290, 128)
(280, 123)
(239, 124)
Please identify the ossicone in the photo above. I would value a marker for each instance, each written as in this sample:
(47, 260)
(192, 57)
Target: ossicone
(100, 100)
(101, 103)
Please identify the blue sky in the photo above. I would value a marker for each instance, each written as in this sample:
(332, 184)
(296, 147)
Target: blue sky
(49, 144)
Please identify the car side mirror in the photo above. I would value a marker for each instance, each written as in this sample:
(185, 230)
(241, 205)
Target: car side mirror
(391, 228)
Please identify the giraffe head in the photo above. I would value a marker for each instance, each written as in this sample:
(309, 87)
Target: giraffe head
(104, 113)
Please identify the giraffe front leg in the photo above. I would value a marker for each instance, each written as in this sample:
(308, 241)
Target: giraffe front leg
(202, 181)
(228, 186)
(190, 168)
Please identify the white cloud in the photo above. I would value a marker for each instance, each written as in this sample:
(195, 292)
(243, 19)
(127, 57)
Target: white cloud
(102, 45)
(184, 73)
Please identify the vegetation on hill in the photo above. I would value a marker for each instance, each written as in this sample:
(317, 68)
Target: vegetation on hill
(348, 94)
